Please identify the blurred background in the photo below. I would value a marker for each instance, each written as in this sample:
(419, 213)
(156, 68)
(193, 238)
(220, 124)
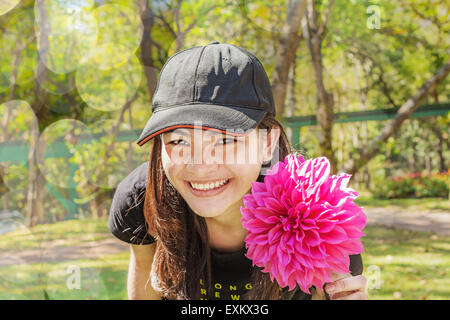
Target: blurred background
(363, 83)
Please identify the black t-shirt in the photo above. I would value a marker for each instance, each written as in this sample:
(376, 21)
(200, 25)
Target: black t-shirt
(231, 271)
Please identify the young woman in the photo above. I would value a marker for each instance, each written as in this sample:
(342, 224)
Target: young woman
(213, 132)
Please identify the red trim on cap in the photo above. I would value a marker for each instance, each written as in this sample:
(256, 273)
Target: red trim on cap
(192, 127)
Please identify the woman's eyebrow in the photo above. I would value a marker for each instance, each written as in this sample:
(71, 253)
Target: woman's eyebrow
(180, 132)
(205, 133)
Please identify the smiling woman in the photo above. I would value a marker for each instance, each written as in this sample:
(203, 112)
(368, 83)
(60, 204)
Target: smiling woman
(206, 222)
(214, 133)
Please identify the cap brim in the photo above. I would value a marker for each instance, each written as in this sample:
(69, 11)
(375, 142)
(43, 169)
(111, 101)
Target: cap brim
(232, 120)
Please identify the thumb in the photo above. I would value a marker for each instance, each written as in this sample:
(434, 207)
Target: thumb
(334, 277)
(318, 294)
(338, 276)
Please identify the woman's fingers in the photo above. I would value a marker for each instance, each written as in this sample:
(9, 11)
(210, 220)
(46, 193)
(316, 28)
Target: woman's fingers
(358, 295)
(317, 294)
(346, 284)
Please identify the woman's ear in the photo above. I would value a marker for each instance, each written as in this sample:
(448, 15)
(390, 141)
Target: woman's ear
(271, 142)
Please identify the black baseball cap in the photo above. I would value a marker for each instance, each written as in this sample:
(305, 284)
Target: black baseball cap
(220, 86)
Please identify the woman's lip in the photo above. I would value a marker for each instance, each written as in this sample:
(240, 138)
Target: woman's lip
(208, 193)
(207, 181)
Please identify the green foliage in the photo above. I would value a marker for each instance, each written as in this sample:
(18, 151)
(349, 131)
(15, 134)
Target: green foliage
(395, 189)
(414, 186)
(437, 186)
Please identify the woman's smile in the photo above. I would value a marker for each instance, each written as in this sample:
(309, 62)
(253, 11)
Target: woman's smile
(208, 188)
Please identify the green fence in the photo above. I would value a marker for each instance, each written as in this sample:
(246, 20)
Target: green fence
(296, 123)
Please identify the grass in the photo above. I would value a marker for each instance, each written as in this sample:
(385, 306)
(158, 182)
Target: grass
(398, 264)
(80, 279)
(424, 204)
(409, 265)
(67, 233)
(101, 278)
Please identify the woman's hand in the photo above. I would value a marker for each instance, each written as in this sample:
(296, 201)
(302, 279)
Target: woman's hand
(343, 287)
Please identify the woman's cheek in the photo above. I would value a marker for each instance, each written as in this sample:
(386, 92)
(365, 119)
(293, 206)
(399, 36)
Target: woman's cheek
(170, 168)
(242, 153)
(247, 173)
(176, 154)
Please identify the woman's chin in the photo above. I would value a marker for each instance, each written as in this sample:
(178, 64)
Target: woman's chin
(206, 211)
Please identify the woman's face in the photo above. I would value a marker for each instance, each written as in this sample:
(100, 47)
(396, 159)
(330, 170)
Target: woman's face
(213, 171)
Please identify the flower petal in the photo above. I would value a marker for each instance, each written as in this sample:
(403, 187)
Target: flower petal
(274, 204)
(337, 235)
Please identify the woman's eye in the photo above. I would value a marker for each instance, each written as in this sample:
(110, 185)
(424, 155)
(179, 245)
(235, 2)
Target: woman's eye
(179, 142)
(228, 140)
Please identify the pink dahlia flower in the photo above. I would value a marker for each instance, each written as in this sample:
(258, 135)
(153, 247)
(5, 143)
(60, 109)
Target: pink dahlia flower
(302, 223)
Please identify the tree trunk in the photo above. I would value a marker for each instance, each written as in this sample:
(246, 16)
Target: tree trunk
(285, 54)
(292, 100)
(431, 123)
(416, 165)
(412, 160)
(440, 152)
(17, 57)
(325, 101)
(96, 190)
(36, 183)
(150, 72)
(387, 164)
(405, 111)
(4, 138)
(363, 91)
(39, 107)
(130, 144)
(428, 165)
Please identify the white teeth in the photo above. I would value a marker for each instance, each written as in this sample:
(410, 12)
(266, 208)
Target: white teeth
(208, 186)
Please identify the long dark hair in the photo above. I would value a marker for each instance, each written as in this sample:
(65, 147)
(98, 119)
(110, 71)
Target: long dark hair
(183, 253)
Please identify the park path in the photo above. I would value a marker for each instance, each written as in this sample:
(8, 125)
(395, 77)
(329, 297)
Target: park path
(88, 250)
(427, 221)
(436, 222)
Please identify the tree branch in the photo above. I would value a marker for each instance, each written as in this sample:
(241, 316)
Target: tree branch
(392, 127)
(383, 84)
(287, 48)
(323, 27)
(177, 15)
(167, 25)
